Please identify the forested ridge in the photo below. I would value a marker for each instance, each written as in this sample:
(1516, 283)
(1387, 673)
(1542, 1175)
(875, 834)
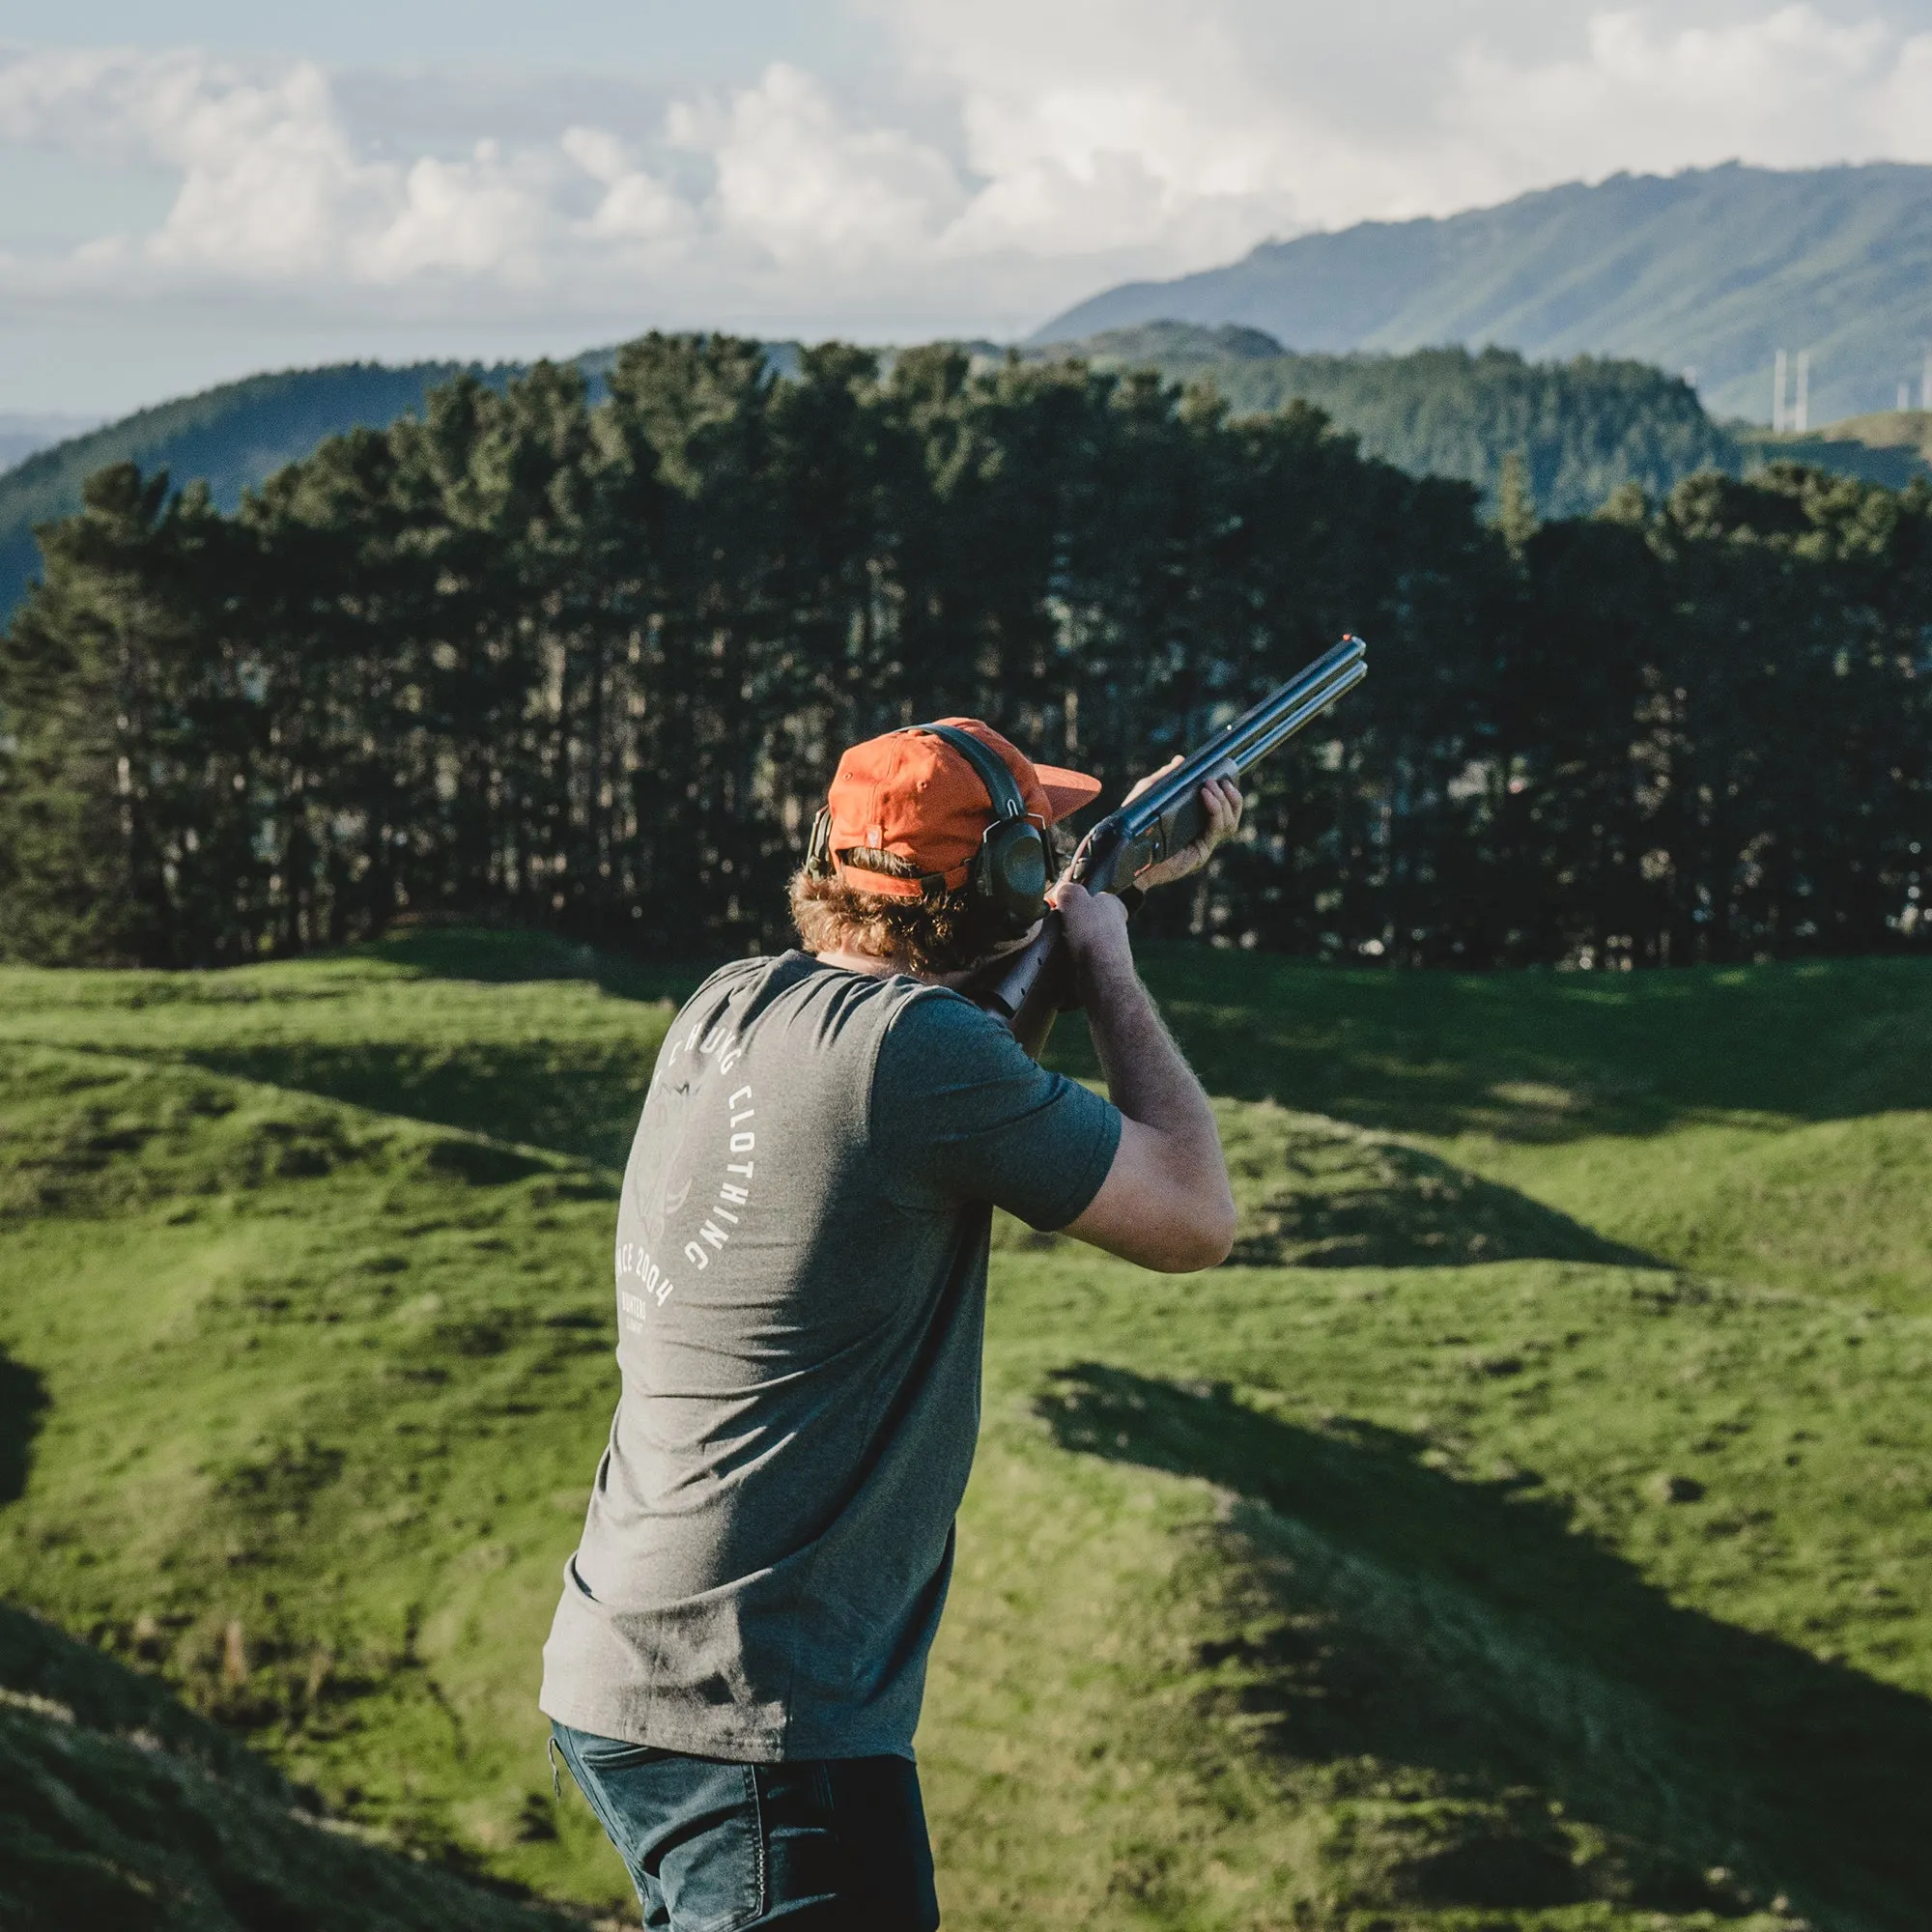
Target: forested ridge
(1578, 429)
(230, 436)
(589, 668)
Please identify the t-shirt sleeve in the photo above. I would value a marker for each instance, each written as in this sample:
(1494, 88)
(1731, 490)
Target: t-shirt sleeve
(960, 1113)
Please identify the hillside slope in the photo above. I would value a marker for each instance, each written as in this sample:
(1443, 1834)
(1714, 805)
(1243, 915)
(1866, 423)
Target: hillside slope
(238, 435)
(1711, 270)
(1889, 446)
(1525, 1531)
(1583, 427)
(119, 1808)
(229, 436)
(22, 433)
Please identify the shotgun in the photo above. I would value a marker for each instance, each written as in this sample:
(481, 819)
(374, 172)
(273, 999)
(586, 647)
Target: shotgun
(1029, 987)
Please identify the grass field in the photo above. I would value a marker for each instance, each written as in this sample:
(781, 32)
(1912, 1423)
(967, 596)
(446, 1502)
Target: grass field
(1530, 1528)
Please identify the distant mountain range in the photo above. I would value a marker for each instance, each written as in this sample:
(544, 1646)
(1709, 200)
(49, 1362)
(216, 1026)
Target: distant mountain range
(1710, 272)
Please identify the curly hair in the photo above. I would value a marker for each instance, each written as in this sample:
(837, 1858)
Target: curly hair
(942, 934)
(945, 933)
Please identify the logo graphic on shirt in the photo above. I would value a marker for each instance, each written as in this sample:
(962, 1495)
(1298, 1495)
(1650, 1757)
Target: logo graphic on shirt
(664, 1201)
(665, 1189)
(734, 1191)
(665, 1142)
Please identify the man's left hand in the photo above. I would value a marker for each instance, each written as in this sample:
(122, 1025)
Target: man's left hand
(1221, 798)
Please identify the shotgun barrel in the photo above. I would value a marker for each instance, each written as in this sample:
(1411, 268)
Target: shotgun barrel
(1028, 988)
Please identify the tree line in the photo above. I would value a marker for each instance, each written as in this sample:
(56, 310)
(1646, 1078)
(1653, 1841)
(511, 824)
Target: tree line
(1578, 429)
(589, 668)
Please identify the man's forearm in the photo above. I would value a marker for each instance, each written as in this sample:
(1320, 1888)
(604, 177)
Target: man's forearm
(1147, 1076)
(1165, 1201)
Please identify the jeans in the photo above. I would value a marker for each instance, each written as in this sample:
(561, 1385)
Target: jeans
(819, 1845)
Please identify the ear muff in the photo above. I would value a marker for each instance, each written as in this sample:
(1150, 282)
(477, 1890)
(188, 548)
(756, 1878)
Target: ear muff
(1011, 870)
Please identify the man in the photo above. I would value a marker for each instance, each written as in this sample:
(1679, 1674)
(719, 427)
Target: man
(735, 1669)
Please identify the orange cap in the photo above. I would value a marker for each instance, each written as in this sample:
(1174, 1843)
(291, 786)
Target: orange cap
(914, 795)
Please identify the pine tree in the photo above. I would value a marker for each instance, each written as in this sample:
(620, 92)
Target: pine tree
(589, 668)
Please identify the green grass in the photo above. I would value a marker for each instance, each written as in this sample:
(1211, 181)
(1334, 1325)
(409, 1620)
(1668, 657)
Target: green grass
(1531, 1529)
(119, 1808)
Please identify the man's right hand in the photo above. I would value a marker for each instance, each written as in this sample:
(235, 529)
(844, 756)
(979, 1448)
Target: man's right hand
(1097, 934)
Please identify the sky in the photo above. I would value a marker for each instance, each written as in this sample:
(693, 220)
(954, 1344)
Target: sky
(192, 192)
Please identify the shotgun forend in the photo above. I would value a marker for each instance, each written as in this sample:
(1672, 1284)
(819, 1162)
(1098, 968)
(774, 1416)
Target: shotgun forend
(1028, 988)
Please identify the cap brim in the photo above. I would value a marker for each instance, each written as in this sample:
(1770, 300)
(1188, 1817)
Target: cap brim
(1066, 791)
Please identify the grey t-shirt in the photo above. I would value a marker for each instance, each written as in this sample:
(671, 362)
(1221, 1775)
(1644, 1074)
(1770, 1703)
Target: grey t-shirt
(801, 1296)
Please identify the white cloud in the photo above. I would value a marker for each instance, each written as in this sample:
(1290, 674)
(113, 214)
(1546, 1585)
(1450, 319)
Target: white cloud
(794, 178)
(634, 206)
(1012, 156)
(271, 190)
(1790, 89)
(1125, 122)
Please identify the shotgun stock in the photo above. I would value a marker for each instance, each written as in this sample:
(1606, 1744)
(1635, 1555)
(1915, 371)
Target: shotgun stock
(1029, 987)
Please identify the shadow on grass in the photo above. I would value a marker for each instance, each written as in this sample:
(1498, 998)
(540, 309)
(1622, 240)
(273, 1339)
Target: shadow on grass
(580, 1101)
(37, 1660)
(1388, 1613)
(24, 1400)
(119, 1808)
(508, 956)
(1399, 1207)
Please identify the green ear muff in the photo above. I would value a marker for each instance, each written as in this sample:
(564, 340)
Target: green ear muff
(1011, 870)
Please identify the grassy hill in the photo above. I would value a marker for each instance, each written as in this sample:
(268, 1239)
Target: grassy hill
(1526, 1530)
(123, 1810)
(119, 1808)
(1889, 446)
(1713, 269)
(1888, 429)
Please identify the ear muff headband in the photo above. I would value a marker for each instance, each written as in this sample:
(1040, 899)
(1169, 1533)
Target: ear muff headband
(1002, 787)
(1010, 873)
